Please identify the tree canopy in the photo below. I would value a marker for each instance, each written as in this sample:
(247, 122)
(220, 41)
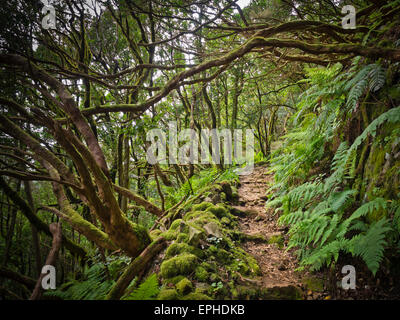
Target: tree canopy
(78, 99)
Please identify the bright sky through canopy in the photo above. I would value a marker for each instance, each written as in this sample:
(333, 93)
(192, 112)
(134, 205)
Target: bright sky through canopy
(243, 3)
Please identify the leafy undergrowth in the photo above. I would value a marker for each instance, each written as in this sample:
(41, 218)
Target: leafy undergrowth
(337, 187)
(203, 259)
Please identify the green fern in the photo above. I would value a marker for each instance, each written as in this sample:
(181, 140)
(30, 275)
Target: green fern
(94, 286)
(356, 92)
(366, 208)
(338, 200)
(371, 245)
(147, 290)
(372, 77)
(377, 78)
(324, 255)
(319, 212)
(390, 116)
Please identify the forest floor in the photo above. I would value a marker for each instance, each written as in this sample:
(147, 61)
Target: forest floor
(278, 265)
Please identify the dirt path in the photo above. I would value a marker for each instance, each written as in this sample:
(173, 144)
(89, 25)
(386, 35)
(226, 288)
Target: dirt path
(277, 266)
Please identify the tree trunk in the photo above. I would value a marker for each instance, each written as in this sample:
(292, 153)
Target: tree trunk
(137, 265)
(35, 236)
(55, 229)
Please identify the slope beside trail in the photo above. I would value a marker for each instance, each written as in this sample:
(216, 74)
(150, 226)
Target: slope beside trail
(277, 265)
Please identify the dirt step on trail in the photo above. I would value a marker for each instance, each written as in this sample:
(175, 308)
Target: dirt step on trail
(277, 266)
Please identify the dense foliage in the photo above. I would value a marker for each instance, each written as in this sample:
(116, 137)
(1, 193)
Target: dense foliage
(77, 103)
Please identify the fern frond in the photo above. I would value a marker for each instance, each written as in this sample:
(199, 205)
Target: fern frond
(338, 200)
(377, 77)
(147, 290)
(324, 255)
(370, 247)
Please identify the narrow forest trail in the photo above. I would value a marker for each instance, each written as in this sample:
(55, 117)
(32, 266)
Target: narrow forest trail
(277, 266)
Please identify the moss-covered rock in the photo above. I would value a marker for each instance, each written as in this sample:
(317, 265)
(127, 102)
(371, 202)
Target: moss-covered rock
(237, 212)
(182, 237)
(313, 283)
(213, 229)
(195, 235)
(281, 293)
(245, 293)
(226, 189)
(173, 280)
(277, 239)
(168, 294)
(257, 237)
(219, 211)
(196, 296)
(180, 265)
(177, 248)
(200, 218)
(203, 287)
(202, 206)
(184, 286)
(176, 224)
(177, 227)
(204, 246)
(226, 221)
(220, 254)
(235, 194)
(201, 274)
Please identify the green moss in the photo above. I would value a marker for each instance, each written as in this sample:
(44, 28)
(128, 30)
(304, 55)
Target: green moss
(219, 211)
(314, 284)
(175, 224)
(180, 265)
(243, 263)
(168, 294)
(201, 274)
(173, 280)
(177, 227)
(203, 287)
(170, 235)
(235, 193)
(253, 265)
(245, 293)
(225, 221)
(154, 234)
(214, 277)
(281, 293)
(378, 161)
(234, 293)
(141, 233)
(200, 218)
(184, 286)
(381, 176)
(202, 206)
(101, 237)
(210, 267)
(220, 254)
(176, 248)
(179, 248)
(182, 237)
(251, 237)
(277, 239)
(196, 296)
